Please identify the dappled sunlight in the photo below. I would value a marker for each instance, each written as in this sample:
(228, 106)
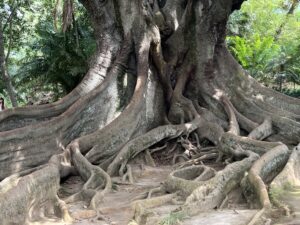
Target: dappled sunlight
(188, 126)
(259, 97)
(60, 144)
(218, 94)
(8, 183)
(18, 159)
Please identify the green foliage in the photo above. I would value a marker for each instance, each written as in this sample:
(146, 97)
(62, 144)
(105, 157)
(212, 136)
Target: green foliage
(59, 58)
(265, 39)
(42, 58)
(254, 54)
(294, 92)
(3, 94)
(277, 193)
(173, 218)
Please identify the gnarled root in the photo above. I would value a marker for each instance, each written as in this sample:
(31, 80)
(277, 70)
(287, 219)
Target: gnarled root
(287, 178)
(95, 177)
(198, 160)
(264, 170)
(211, 193)
(25, 198)
(290, 175)
(230, 141)
(140, 206)
(145, 141)
(186, 180)
(262, 131)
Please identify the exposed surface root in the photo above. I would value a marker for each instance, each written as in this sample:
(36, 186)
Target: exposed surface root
(185, 180)
(50, 135)
(290, 175)
(257, 216)
(148, 158)
(211, 193)
(140, 206)
(234, 127)
(288, 178)
(198, 160)
(145, 141)
(230, 141)
(262, 131)
(94, 176)
(33, 195)
(263, 171)
(11, 181)
(20, 117)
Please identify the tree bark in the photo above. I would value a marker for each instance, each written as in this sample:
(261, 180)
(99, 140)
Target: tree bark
(188, 89)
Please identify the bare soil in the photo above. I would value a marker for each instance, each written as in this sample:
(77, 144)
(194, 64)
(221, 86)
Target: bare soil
(116, 207)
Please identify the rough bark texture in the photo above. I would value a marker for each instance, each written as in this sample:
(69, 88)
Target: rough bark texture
(189, 92)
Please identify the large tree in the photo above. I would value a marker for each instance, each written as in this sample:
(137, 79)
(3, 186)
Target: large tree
(186, 84)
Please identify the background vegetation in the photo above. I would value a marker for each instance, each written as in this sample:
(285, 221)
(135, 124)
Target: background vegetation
(45, 63)
(264, 36)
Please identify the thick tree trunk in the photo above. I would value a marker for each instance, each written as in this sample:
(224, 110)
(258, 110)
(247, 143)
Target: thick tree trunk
(188, 88)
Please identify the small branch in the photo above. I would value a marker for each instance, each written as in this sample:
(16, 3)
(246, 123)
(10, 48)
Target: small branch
(9, 43)
(153, 150)
(213, 191)
(291, 10)
(149, 160)
(176, 156)
(199, 159)
(143, 142)
(197, 140)
(140, 206)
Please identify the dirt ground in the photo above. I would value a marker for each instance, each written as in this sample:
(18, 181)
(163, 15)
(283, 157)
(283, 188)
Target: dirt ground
(116, 207)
